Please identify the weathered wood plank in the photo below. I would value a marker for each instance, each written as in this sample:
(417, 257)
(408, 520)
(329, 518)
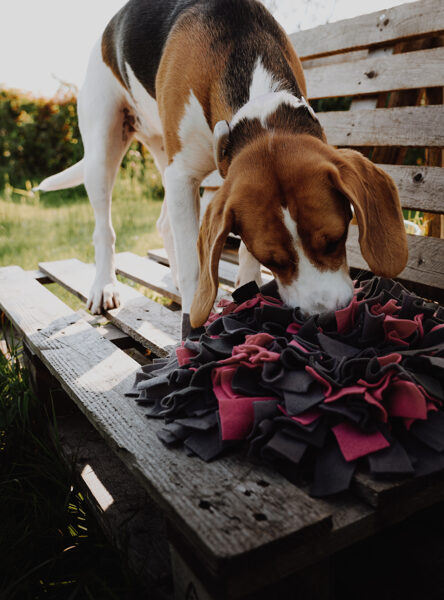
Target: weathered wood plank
(402, 498)
(227, 270)
(151, 274)
(425, 264)
(420, 188)
(416, 19)
(39, 276)
(411, 126)
(197, 499)
(151, 324)
(377, 74)
(147, 272)
(122, 507)
(334, 59)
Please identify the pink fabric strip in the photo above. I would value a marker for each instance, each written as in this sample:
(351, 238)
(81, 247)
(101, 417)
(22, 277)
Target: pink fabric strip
(441, 326)
(398, 329)
(347, 391)
(369, 397)
(389, 358)
(293, 328)
(418, 319)
(320, 379)
(184, 355)
(406, 400)
(345, 317)
(236, 412)
(354, 443)
(389, 308)
(298, 345)
(308, 417)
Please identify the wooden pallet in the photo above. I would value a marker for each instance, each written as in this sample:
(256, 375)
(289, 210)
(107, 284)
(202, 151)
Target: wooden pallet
(234, 527)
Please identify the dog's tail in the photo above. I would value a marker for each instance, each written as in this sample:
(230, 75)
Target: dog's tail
(65, 179)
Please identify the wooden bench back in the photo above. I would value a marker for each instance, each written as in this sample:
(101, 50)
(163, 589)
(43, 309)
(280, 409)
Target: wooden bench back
(390, 65)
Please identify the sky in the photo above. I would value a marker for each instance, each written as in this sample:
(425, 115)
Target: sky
(43, 42)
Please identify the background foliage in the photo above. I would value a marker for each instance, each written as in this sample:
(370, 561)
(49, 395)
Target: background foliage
(39, 137)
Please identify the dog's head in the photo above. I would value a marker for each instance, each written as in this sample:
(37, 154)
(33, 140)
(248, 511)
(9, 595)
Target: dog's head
(289, 198)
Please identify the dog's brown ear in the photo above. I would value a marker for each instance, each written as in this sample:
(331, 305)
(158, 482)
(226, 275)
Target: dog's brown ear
(216, 225)
(221, 140)
(375, 199)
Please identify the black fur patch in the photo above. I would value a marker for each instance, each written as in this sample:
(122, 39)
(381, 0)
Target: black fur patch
(243, 133)
(295, 120)
(286, 118)
(138, 32)
(249, 31)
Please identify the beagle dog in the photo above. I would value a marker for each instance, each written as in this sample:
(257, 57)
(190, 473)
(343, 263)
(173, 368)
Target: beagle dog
(207, 84)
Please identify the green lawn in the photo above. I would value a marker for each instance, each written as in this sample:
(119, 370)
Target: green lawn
(59, 225)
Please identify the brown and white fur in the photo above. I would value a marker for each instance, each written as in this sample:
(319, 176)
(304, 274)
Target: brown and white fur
(208, 84)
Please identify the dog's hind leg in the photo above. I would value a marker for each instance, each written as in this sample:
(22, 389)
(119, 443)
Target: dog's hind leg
(103, 121)
(155, 145)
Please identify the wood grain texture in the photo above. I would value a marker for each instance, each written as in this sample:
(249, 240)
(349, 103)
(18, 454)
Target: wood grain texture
(227, 270)
(208, 503)
(151, 324)
(420, 188)
(425, 264)
(152, 275)
(411, 126)
(410, 20)
(398, 499)
(148, 273)
(132, 522)
(377, 74)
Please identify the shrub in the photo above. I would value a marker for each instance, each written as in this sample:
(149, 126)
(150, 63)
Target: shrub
(37, 136)
(40, 137)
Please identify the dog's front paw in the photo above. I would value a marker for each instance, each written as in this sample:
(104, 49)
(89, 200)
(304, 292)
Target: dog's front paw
(246, 275)
(103, 295)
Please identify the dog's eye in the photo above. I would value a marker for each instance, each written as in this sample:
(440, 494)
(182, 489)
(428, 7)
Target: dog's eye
(331, 246)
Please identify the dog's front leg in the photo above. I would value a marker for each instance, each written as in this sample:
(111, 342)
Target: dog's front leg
(182, 198)
(249, 268)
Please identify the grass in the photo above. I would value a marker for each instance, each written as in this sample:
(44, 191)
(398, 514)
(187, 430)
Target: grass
(59, 225)
(49, 545)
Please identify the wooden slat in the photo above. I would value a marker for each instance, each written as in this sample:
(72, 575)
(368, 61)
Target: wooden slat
(416, 19)
(377, 74)
(227, 270)
(405, 496)
(207, 502)
(425, 264)
(151, 324)
(132, 522)
(411, 126)
(420, 188)
(39, 276)
(334, 59)
(149, 273)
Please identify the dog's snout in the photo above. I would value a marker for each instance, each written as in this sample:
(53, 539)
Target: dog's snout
(329, 292)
